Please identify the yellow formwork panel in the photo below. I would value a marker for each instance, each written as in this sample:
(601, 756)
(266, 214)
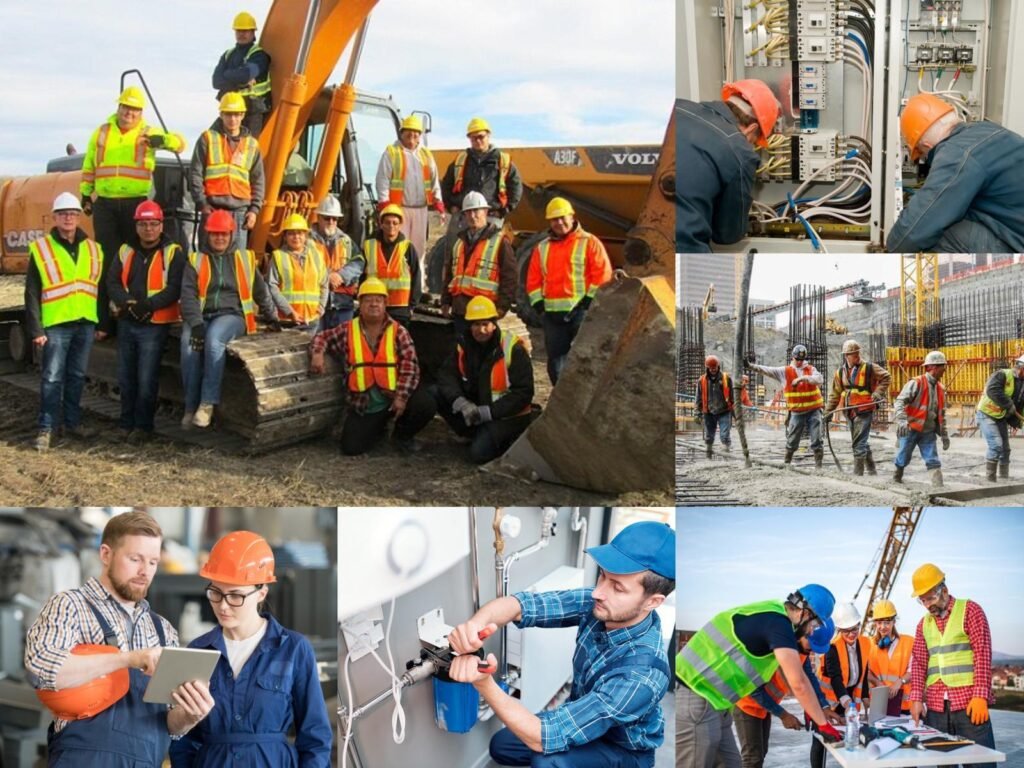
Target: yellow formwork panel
(968, 366)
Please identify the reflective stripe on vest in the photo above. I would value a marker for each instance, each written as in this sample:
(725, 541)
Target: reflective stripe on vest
(499, 379)
(366, 368)
(120, 160)
(857, 387)
(504, 165)
(69, 288)
(245, 271)
(726, 392)
(776, 689)
(844, 664)
(577, 265)
(803, 396)
(227, 173)
(156, 278)
(892, 669)
(917, 409)
(480, 276)
(950, 657)
(716, 665)
(394, 272)
(260, 87)
(987, 406)
(300, 285)
(336, 256)
(396, 190)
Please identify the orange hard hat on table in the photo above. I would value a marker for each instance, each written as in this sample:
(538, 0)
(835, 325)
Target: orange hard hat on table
(761, 99)
(90, 698)
(241, 558)
(918, 116)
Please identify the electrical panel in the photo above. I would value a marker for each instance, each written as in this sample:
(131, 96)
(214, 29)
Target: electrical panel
(817, 153)
(815, 26)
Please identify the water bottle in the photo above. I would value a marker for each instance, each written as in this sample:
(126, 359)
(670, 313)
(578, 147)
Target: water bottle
(852, 727)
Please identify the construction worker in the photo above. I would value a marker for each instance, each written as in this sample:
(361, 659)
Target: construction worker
(144, 287)
(481, 263)
(889, 662)
(245, 70)
(858, 388)
(407, 176)
(485, 169)
(715, 403)
(382, 374)
(485, 390)
(920, 416)
(964, 207)
(951, 663)
(715, 145)
(118, 167)
(998, 411)
(298, 276)
(90, 653)
(752, 714)
(226, 172)
(802, 390)
(620, 671)
(221, 289)
(843, 670)
(345, 263)
(566, 268)
(733, 655)
(392, 258)
(62, 322)
(266, 678)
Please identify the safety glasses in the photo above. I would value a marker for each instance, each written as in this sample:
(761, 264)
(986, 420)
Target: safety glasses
(234, 599)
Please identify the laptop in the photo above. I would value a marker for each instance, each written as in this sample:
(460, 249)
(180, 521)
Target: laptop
(879, 703)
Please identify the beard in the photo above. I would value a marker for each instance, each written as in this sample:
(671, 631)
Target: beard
(602, 613)
(126, 590)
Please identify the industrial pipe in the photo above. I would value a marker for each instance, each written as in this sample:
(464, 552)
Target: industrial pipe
(741, 329)
(474, 555)
(579, 524)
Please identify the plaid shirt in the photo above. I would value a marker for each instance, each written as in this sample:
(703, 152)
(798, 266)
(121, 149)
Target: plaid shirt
(630, 700)
(335, 342)
(976, 627)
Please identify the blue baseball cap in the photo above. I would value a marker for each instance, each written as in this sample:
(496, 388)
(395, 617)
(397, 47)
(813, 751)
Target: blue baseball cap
(821, 638)
(646, 546)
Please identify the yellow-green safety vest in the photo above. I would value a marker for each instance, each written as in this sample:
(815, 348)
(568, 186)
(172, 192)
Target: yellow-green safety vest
(70, 288)
(260, 87)
(950, 656)
(987, 406)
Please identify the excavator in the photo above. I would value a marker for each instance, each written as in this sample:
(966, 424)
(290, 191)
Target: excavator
(611, 410)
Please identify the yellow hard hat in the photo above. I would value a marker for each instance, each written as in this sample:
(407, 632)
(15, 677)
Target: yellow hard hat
(392, 210)
(132, 97)
(883, 609)
(244, 20)
(373, 286)
(412, 123)
(232, 102)
(476, 125)
(481, 308)
(295, 222)
(557, 208)
(926, 578)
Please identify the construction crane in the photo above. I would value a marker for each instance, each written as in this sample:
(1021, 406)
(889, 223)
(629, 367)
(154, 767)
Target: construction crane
(919, 293)
(889, 558)
(859, 292)
(708, 307)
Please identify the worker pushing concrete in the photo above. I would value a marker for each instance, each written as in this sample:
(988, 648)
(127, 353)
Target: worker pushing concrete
(920, 417)
(858, 388)
(998, 410)
(715, 402)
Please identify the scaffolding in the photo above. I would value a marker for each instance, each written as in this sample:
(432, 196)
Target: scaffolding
(807, 325)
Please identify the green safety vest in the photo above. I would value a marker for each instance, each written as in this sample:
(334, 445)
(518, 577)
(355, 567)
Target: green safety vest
(70, 287)
(950, 657)
(260, 87)
(716, 665)
(988, 407)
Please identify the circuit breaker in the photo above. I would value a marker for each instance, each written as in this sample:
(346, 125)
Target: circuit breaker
(817, 153)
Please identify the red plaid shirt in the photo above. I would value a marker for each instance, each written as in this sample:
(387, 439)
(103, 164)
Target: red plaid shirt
(335, 342)
(976, 627)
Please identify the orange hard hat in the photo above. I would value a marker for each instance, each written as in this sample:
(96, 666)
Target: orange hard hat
(147, 210)
(90, 698)
(918, 116)
(220, 221)
(761, 99)
(711, 362)
(241, 558)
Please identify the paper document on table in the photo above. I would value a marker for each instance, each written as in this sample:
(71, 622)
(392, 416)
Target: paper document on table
(892, 721)
(882, 747)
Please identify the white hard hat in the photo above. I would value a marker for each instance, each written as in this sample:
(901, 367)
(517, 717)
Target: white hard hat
(935, 358)
(1018, 362)
(329, 206)
(474, 201)
(846, 615)
(65, 201)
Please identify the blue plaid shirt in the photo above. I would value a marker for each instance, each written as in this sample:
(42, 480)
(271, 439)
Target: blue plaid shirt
(622, 708)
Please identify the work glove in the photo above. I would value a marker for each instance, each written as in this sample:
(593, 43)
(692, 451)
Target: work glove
(749, 360)
(977, 710)
(467, 409)
(197, 339)
(829, 733)
(902, 429)
(945, 442)
(484, 412)
(87, 205)
(140, 310)
(156, 140)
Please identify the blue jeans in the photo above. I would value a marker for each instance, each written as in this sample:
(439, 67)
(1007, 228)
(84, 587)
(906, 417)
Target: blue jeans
(507, 749)
(65, 357)
(860, 432)
(798, 422)
(996, 435)
(202, 372)
(560, 328)
(723, 422)
(970, 237)
(139, 348)
(926, 442)
(959, 724)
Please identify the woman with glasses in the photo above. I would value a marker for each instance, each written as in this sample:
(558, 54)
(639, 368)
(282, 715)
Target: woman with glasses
(889, 663)
(265, 683)
(843, 669)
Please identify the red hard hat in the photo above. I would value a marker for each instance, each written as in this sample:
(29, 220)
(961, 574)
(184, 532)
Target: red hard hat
(92, 697)
(147, 209)
(220, 221)
(761, 99)
(711, 362)
(241, 558)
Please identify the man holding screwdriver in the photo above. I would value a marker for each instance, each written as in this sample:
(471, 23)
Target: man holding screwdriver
(620, 671)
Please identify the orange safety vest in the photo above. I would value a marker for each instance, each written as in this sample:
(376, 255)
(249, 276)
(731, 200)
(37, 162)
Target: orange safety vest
(776, 688)
(245, 273)
(394, 272)
(857, 387)
(300, 285)
(560, 276)
(504, 165)
(479, 275)
(336, 255)
(804, 396)
(500, 383)
(844, 663)
(917, 409)
(702, 383)
(396, 191)
(891, 669)
(367, 368)
(156, 278)
(227, 173)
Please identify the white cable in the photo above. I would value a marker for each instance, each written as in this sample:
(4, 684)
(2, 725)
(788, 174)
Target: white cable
(348, 696)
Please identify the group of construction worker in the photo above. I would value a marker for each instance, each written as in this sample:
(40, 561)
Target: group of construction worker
(740, 666)
(135, 280)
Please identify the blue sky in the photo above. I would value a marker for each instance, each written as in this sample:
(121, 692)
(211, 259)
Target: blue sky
(570, 72)
(728, 557)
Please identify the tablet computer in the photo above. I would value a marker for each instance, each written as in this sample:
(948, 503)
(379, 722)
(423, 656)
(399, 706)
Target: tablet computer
(177, 666)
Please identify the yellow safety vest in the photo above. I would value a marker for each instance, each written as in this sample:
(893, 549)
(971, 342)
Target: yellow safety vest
(300, 285)
(70, 287)
(120, 164)
(396, 191)
(950, 656)
(260, 87)
(366, 368)
(986, 404)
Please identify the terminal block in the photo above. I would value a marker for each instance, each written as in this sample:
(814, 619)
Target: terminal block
(813, 151)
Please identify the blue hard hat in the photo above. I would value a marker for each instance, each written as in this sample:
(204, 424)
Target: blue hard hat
(819, 599)
(646, 546)
(821, 638)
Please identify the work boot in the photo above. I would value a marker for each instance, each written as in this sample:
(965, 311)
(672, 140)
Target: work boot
(42, 441)
(707, 451)
(936, 477)
(818, 457)
(990, 470)
(728, 447)
(78, 432)
(186, 420)
(858, 465)
(897, 475)
(869, 464)
(204, 414)
(789, 456)
(1004, 471)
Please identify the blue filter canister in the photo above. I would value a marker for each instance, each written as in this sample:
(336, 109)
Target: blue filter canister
(455, 704)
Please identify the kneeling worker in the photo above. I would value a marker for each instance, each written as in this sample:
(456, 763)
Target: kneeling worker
(620, 671)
